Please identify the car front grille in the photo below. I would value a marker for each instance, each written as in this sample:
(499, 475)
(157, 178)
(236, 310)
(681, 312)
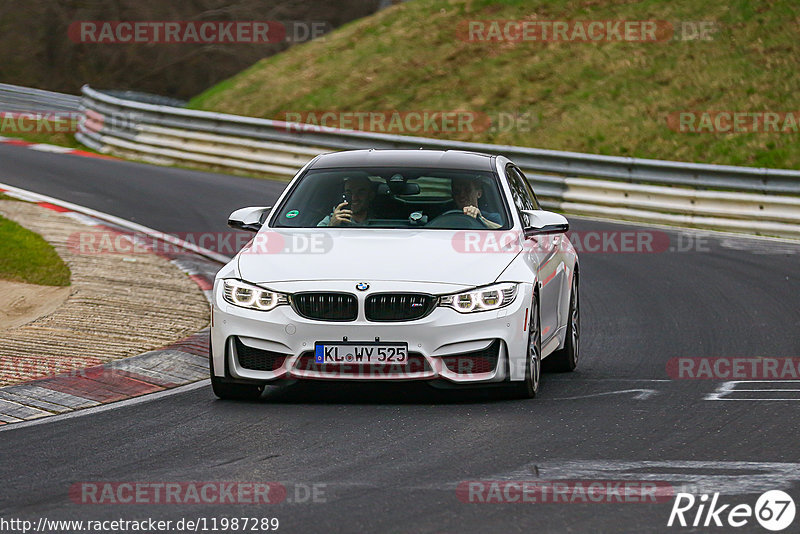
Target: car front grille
(326, 306)
(258, 359)
(398, 306)
(479, 361)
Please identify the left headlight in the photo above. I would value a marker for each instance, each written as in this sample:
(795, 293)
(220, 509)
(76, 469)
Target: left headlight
(250, 296)
(481, 298)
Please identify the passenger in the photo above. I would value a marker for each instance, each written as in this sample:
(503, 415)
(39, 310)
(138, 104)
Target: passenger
(466, 192)
(358, 211)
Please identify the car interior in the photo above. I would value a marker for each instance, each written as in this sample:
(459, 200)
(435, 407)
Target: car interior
(403, 198)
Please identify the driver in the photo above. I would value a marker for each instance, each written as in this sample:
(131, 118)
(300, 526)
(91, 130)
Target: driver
(466, 192)
(358, 211)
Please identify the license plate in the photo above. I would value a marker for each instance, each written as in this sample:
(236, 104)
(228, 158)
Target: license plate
(361, 353)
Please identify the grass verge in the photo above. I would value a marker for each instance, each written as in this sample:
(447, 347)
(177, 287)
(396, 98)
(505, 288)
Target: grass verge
(59, 139)
(26, 257)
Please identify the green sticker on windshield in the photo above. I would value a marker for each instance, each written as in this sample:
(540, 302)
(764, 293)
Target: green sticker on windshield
(292, 214)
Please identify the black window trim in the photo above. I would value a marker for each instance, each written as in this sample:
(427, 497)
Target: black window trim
(528, 186)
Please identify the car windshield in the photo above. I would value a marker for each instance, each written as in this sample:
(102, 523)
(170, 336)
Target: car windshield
(394, 197)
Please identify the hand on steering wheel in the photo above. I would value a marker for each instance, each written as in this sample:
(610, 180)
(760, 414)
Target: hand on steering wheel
(473, 212)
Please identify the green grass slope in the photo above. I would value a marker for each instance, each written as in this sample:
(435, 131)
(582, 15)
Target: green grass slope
(607, 98)
(26, 257)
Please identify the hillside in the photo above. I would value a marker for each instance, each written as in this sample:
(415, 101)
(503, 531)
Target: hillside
(41, 44)
(601, 97)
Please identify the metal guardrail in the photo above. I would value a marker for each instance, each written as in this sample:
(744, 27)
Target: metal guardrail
(754, 200)
(147, 98)
(16, 99)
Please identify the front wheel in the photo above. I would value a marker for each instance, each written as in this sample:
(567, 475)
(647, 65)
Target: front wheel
(529, 387)
(228, 390)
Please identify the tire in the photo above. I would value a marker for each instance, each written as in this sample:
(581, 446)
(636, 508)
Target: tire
(565, 360)
(229, 390)
(528, 388)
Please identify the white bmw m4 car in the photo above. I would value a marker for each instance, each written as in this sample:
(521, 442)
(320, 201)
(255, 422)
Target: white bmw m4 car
(398, 265)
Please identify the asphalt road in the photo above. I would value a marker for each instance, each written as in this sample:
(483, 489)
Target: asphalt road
(389, 458)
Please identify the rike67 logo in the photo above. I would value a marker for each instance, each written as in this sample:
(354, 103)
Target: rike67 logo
(774, 510)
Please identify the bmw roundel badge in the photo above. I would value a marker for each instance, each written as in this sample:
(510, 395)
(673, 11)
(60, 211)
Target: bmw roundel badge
(362, 286)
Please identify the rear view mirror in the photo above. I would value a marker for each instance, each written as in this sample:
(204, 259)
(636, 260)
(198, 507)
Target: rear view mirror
(542, 222)
(399, 186)
(250, 219)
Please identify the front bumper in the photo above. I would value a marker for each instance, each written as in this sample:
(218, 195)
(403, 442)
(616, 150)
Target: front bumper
(480, 347)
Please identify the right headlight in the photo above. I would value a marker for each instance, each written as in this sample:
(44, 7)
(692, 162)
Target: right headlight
(481, 299)
(250, 296)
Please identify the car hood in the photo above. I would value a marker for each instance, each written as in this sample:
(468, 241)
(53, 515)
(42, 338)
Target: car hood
(370, 254)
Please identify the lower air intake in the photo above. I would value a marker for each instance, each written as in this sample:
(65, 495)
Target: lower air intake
(258, 359)
(479, 361)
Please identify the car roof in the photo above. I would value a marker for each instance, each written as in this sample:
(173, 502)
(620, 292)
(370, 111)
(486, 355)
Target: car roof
(437, 159)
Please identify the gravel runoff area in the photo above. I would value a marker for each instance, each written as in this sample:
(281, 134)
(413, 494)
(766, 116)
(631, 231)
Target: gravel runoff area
(118, 305)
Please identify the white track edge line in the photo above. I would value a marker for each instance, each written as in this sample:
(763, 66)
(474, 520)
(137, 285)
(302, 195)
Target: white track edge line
(210, 254)
(138, 228)
(105, 407)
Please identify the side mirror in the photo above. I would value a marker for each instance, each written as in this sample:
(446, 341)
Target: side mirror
(545, 222)
(250, 219)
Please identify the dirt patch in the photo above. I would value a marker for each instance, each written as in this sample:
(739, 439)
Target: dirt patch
(22, 303)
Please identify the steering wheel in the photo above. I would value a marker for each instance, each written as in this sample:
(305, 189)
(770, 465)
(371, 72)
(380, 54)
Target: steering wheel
(456, 219)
